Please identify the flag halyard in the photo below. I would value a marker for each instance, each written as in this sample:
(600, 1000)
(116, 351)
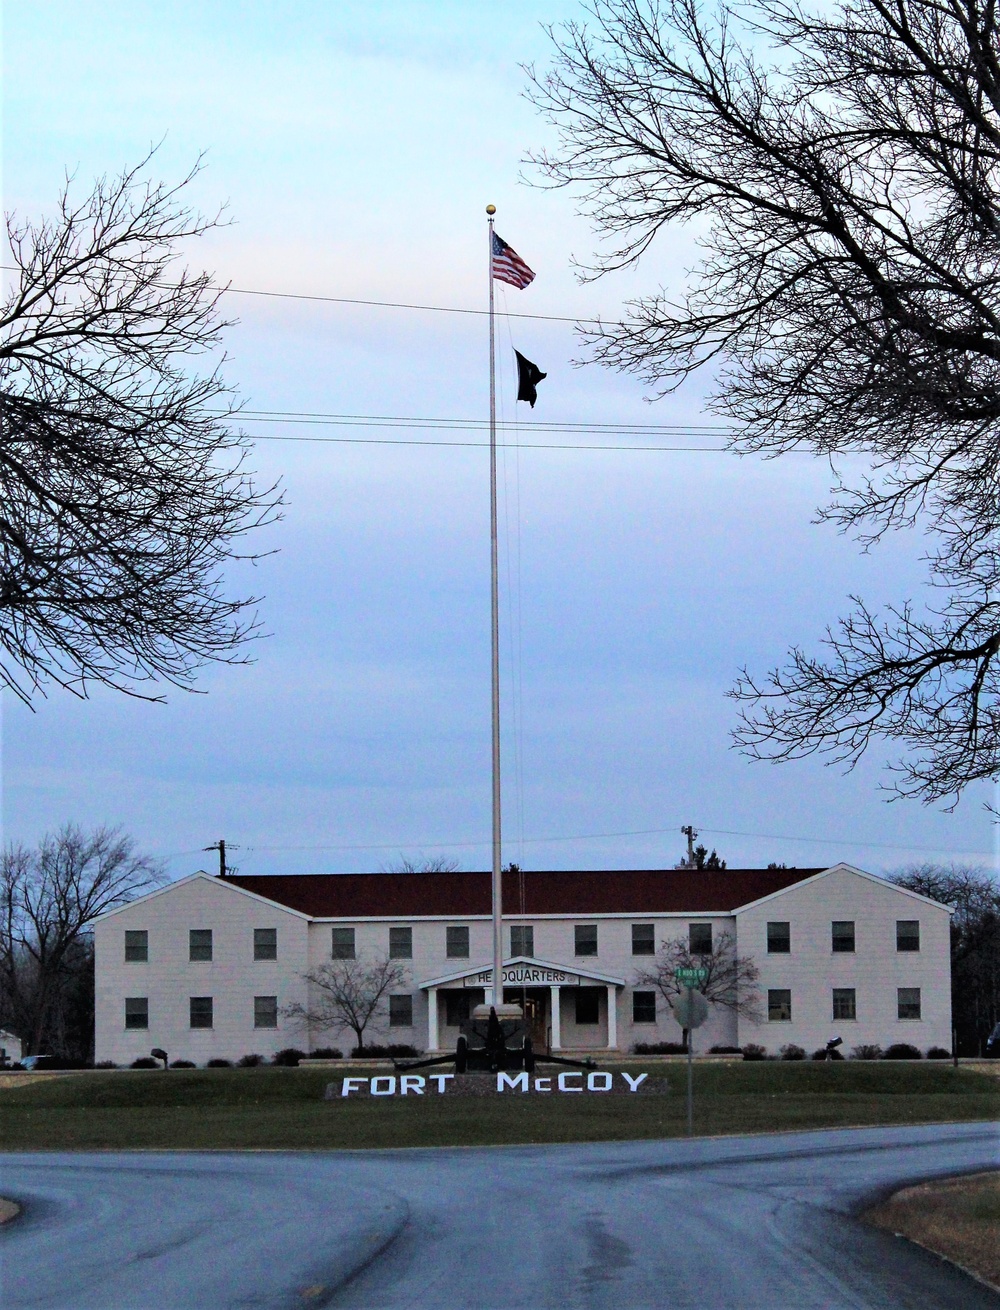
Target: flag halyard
(508, 266)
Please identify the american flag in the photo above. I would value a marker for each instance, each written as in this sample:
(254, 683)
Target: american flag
(508, 266)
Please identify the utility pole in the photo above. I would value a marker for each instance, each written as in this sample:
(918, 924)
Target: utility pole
(219, 846)
(691, 834)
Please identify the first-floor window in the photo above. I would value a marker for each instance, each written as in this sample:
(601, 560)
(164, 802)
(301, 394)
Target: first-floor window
(458, 1005)
(588, 1005)
(342, 943)
(522, 939)
(908, 1002)
(779, 1005)
(644, 1007)
(136, 1011)
(401, 1011)
(265, 1012)
(201, 1011)
(845, 1004)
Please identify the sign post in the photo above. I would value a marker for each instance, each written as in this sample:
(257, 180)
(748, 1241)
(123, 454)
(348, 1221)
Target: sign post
(690, 1010)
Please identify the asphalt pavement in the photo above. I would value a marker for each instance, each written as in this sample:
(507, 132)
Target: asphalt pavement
(708, 1223)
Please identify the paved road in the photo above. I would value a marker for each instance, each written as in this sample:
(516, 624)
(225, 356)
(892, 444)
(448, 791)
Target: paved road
(738, 1222)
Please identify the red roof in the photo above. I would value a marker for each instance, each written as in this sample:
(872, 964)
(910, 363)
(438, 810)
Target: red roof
(577, 892)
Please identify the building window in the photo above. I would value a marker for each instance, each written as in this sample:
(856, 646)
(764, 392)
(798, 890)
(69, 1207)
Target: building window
(907, 934)
(842, 935)
(644, 1007)
(201, 1011)
(401, 1011)
(643, 939)
(522, 939)
(588, 1005)
(136, 946)
(400, 943)
(908, 1002)
(136, 1011)
(200, 944)
(779, 937)
(457, 943)
(341, 943)
(585, 935)
(779, 1005)
(265, 943)
(265, 1012)
(845, 1005)
(700, 938)
(458, 1005)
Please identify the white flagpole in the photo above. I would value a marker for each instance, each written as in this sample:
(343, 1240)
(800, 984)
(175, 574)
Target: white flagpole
(495, 614)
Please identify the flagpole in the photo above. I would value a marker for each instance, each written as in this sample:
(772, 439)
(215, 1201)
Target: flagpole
(497, 884)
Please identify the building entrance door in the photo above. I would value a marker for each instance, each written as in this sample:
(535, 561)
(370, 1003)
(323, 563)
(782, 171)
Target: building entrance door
(536, 1011)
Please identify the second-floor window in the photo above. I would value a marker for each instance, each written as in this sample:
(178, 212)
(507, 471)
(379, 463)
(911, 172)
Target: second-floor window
(907, 934)
(342, 943)
(136, 946)
(643, 939)
(265, 943)
(842, 935)
(522, 939)
(200, 945)
(457, 943)
(779, 937)
(700, 938)
(585, 939)
(401, 943)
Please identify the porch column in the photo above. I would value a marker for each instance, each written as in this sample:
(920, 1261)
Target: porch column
(556, 1038)
(433, 1038)
(612, 1017)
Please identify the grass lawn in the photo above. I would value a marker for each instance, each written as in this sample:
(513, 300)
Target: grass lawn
(958, 1217)
(283, 1108)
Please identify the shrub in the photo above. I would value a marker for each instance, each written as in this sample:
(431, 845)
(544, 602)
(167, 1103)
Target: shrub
(793, 1052)
(289, 1057)
(182, 1064)
(145, 1062)
(659, 1048)
(217, 1062)
(105, 1064)
(938, 1053)
(902, 1051)
(725, 1050)
(827, 1053)
(326, 1053)
(867, 1051)
(374, 1051)
(754, 1052)
(250, 1061)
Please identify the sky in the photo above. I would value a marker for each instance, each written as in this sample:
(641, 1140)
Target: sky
(355, 147)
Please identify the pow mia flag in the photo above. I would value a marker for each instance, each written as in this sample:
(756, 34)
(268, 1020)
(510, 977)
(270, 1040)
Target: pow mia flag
(528, 377)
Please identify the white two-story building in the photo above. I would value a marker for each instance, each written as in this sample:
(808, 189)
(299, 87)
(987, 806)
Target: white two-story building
(207, 966)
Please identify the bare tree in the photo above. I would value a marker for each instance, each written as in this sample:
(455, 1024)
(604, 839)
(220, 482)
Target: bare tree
(975, 943)
(729, 984)
(842, 167)
(48, 898)
(347, 994)
(425, 864)
(123, 487)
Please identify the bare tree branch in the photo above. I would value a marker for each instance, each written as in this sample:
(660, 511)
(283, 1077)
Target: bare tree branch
(730, 982)
(347, 994)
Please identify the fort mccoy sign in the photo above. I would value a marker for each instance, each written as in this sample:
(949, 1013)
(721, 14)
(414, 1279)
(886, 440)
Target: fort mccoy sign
(568, 1081)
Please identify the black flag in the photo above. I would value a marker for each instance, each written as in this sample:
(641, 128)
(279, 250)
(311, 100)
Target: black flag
(528, 377)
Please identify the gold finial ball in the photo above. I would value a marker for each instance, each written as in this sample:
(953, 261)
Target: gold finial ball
(491, 209)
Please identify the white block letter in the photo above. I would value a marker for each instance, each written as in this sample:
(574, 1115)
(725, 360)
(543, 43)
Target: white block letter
(594, 1086)
(633, 1083)
(504, 1080)
(564, 1085)
(440, 1079)
(351, 1085)
(411, 1082)
(543, 1084)
(390, 1087)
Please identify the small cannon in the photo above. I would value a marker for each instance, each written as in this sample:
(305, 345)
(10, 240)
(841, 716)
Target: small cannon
(494, 1044)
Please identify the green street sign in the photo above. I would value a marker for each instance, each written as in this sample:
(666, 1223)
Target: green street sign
(690, 975)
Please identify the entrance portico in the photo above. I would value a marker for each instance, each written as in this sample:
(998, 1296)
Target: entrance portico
(533, 976)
